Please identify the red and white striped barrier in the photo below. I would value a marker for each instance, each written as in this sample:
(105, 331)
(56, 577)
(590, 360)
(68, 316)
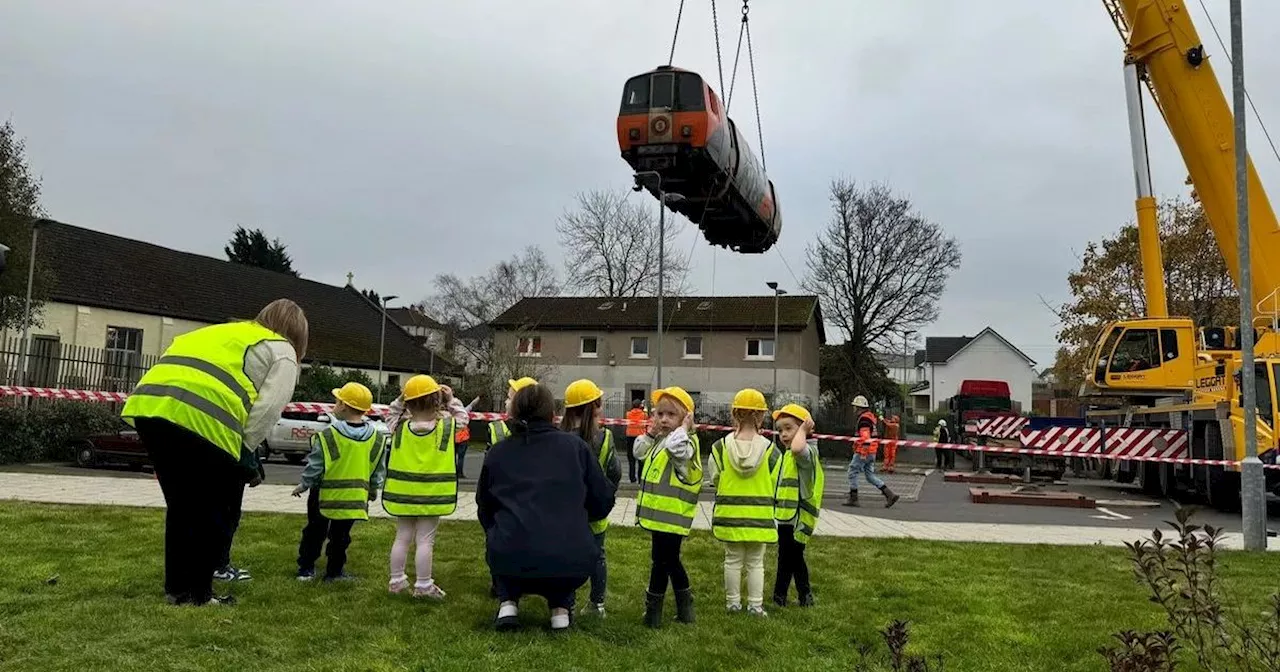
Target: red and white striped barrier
(1122, 443)
(1002, 427)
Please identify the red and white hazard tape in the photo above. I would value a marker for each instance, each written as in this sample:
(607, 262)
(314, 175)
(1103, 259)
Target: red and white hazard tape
(1127, 443)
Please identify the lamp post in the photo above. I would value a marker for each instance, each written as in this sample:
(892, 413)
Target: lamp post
(26, 311)
(906, 385)
(663, 200)
(777, 297)
(382, 343)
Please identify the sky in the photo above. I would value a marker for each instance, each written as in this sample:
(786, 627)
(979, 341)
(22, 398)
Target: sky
(405, 138)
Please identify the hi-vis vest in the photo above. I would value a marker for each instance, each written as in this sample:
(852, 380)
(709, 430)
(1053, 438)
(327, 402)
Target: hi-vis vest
(789, 500)
(867, 444)
(422, 478)
(604, 453)
(498, 431)
(744, 507)
(666, 503)
(199, 384)
(348, 464)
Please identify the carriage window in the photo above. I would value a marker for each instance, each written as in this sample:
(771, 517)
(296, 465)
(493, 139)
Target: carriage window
(663, 93)
(1139, 350)
(635, 95)
(690, 97)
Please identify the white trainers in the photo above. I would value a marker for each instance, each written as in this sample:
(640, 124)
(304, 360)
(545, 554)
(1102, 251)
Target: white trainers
(733, 607)
(592, 609)
(559, 619)
(430, 590)
(508, 616)
(755, 610)
(397, 587)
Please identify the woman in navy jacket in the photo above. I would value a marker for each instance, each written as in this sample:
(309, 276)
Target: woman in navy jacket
(536, 493)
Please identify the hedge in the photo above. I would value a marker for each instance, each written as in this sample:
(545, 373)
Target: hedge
(45, 431)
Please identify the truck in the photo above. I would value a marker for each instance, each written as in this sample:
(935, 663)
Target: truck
(984, 414)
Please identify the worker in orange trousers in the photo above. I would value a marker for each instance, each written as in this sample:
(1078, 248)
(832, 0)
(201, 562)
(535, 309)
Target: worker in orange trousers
(890, 443)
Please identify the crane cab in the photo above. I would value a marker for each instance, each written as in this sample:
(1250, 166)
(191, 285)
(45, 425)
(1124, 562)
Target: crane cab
(1152, 356)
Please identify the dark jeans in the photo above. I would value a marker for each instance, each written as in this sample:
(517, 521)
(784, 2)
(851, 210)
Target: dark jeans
(791, 564)
(665, 556)
(233, 518)
(319, 528)
(944, 459)
(632, 462)
(199, 481)
(558, 591)
(460, 457)
(599, 577)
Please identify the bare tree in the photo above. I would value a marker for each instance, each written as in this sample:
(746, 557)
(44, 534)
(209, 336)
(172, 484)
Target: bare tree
(611, 247)
(479, 299)
(879, 267)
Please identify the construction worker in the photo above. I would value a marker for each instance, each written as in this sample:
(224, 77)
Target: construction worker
(498, 430)
(891, 427)
(637, 421)
(943, 458)
(462, 439)
(200, 411)
(864, 455)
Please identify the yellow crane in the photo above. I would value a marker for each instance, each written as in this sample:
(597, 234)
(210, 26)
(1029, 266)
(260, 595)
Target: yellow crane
(1163, 371)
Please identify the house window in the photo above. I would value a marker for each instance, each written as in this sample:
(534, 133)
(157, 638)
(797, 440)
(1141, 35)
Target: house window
(760, 348)
(393, 381)
(122, 354)
(590, 347)
(529, 346)
(693, 347)
(640, 347)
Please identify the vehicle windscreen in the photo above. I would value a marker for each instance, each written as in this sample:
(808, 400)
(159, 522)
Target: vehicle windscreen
(682, 91)
(635, 95)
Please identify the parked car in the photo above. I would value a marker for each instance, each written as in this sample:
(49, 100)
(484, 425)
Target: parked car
(121, 446)
(291, 437)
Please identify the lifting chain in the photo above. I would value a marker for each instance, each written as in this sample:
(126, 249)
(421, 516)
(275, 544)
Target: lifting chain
(679, 13)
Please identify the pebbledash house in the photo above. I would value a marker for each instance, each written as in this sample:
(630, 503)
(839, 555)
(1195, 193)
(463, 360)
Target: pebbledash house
(712, 346)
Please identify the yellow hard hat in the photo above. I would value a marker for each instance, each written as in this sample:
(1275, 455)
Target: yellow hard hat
(520, 384)
(581, 392)
(356, 396)
(420, 386)
(794, 410)
(750, 400)
(676, 393)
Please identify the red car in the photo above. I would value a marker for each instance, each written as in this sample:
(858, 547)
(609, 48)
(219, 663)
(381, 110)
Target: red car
(119, 447)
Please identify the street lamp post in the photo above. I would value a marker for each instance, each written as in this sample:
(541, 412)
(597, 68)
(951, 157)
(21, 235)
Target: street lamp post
(663, 200)
(906, 384)
(26, 311)
(777, 297)
(382, 344)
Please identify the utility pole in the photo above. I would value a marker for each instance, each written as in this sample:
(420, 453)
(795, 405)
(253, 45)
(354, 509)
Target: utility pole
(663, 200)
(26, 311)
(906, 385)
(382, 344)
(1252, 480)
(777, 298)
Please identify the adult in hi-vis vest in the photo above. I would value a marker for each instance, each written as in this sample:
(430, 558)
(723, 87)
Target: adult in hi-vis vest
(744, 470)
(200, 412)
(864, 455)
(582, 414)
(799, 500)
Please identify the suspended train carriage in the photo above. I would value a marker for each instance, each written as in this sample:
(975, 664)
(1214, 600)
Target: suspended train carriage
(672, 123)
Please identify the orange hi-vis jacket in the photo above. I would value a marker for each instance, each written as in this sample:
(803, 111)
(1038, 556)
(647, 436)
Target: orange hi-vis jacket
(866, 443)
(635, 421)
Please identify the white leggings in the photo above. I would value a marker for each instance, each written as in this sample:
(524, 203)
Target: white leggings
(738, 554)
(419, 531)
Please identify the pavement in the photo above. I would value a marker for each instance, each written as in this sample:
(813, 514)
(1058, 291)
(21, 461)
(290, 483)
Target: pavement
(938, 511)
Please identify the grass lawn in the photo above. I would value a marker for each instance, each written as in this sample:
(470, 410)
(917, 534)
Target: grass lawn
(984, 606)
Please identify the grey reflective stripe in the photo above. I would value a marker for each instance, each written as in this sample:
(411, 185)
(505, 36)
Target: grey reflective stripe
(421, 478)
(743, 500)
(418, 499)
(805, 529)
(193, 400)
(774, 456)
(787, 506)
(789, 483)
(809, 508)
(375, 453)
(330, 443)
(663, 487)
(205, 367)
(339, 484)
(646, 513)
(720, 521)
(717, 454)
(344, 505)
(446, 438)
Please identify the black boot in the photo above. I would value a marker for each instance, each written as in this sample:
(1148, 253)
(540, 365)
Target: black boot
(684, 605)
(852, 499)
(889, 498)
(653, 610)
(780, 600)
(806, 600)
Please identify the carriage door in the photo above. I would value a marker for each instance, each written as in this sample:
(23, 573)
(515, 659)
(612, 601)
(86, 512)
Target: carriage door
(661, 104)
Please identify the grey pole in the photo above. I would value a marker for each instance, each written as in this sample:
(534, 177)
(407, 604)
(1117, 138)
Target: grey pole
(662, 258)
(26, 311)
(382, 344)
(777, 297)
(1252, 480)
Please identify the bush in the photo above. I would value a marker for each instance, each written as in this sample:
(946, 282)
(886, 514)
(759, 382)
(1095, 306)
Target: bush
(45, 431)
(317, 382)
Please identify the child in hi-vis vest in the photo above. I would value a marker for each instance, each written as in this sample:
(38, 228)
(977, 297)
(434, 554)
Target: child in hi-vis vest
(668, 499)
(343, 473)
(582, 413)
(744, 469)
(799, 499)
(422, 477)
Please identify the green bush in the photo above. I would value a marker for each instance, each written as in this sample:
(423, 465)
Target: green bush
(44, 431)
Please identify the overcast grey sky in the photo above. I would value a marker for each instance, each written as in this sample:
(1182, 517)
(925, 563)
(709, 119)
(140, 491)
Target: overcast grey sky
(400, 139)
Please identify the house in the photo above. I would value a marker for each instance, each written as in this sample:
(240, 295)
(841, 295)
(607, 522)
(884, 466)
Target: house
(112, 305)
(900, 367)
(712, 346)
(430, 333)
(946, 361)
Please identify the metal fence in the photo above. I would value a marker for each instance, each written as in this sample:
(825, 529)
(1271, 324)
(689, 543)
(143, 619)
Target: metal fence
(51, 363)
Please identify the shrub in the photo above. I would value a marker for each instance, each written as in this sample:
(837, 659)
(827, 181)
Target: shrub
(42, 431)
(895, 637)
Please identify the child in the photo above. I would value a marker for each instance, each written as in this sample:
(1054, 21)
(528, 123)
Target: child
(668, 499)
(799, 498)
(582, 414)
(498, 429)
(343, 473)
(744, 469)
(422, 477)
